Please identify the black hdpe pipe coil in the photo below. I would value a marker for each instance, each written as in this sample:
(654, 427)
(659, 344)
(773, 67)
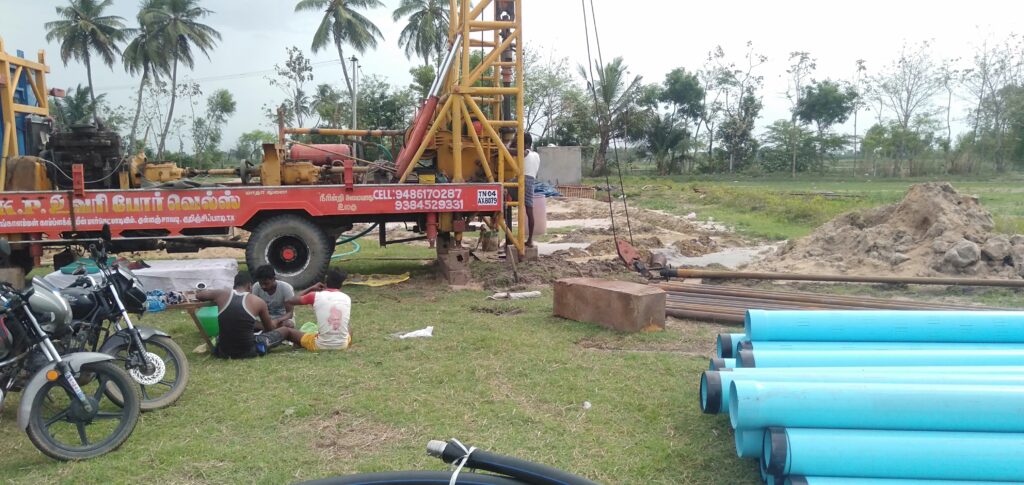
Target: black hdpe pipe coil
(524, 471)
(416, 478)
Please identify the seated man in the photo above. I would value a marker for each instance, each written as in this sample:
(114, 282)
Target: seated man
(240, 314)
(275, 293)
(333, 309)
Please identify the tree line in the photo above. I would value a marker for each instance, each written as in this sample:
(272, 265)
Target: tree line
(704, 120)
(171, 34)
(701, 119)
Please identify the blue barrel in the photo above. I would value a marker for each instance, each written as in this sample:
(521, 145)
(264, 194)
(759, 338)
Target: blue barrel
(833, 346)
(719, 364)
(749, 442)
(926, 455)
(725, 344)
(888, 358)
(925, 407)
(885, 326)
(803, 480)
(714, 385)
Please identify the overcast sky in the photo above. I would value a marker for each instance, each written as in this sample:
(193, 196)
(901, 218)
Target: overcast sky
(653, 36)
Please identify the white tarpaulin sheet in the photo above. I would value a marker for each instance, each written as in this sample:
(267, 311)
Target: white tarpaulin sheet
(180, 275)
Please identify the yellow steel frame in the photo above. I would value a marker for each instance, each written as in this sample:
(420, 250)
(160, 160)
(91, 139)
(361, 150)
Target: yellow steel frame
(469, 93)
(12, 68)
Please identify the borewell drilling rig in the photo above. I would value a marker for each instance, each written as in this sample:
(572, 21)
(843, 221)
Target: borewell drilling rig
(459, 168)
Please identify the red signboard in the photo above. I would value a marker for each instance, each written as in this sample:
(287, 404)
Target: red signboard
(50, 213)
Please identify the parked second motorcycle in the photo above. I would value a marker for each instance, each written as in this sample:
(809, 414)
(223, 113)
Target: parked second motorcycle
(65, 407)
(101, 307)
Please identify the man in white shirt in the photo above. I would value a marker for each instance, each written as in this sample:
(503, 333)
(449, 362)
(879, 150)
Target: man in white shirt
(333, 310)
(531, 165)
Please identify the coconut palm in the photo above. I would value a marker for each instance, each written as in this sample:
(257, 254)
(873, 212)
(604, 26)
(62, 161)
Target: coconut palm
(615, 94)
(83, 31)
(76, 107)
(426, 34)
(176, 24)
(343, 24)
(144, 55)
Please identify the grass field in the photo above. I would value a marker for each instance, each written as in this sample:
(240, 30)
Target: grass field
(507, 377)
(782, 208)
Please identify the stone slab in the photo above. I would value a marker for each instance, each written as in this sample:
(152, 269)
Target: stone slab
(619, 305)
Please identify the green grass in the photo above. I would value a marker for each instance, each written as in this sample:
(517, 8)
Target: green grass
(766, 208)
(507, 377)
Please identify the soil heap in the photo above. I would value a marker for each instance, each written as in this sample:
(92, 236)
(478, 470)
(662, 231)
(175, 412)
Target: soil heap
(934, 231)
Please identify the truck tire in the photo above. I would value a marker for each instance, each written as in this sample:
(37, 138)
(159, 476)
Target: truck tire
(297, 249)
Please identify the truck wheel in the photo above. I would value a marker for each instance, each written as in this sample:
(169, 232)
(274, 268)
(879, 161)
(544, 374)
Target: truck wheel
(297, 249)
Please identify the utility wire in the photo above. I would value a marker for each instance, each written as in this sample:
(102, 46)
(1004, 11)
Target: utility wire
(223, 77)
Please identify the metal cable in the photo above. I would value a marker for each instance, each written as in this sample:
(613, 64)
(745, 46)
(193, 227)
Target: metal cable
(593, 91)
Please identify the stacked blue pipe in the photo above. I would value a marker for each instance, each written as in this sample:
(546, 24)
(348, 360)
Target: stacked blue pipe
(886, 397)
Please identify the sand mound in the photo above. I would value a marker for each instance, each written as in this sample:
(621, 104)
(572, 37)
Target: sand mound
(934, 231)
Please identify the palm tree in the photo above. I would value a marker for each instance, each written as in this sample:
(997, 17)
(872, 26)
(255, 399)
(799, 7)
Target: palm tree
(426, 34)
(176, 24)
(343, 24)
(83, 30)
(145, 55)
(77, 106)
(326, 103)
(614, 94)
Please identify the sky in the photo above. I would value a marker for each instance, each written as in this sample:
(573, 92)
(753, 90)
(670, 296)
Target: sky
(653, 36)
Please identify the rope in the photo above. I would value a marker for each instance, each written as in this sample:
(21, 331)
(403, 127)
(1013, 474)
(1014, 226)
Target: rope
(461, 462)
(615, 143)
(593, 91)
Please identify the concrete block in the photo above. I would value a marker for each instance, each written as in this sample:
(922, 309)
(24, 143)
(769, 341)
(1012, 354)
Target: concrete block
(619, 305)
(457, 278)
(531, 254)
(14, 276)
(560, 165)
(456, 259)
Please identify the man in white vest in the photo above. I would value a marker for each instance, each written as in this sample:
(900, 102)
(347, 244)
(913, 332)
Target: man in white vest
(333, 310)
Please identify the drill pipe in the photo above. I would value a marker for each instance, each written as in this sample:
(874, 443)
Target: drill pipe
(899, 280)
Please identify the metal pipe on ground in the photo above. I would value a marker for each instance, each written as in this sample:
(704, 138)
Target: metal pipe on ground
(805, 297)
(898, 280)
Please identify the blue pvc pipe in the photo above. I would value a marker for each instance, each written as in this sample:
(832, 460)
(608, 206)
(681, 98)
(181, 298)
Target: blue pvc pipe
(885, 326)
(926, 407)
(719, 364)
(802, 480)
(924, 455)
(888, 358)
(832, 346)
(748, 442)
(881, 369)
(725, 344)
(714, 385)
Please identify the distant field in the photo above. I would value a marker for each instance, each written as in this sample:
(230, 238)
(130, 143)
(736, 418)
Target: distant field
(782, 208)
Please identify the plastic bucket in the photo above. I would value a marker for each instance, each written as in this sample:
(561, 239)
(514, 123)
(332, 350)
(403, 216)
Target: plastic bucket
(207, 316)
(540, 211)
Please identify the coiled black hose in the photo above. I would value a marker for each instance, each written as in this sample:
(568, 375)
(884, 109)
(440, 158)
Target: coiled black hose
(525, 471)
(416, 478)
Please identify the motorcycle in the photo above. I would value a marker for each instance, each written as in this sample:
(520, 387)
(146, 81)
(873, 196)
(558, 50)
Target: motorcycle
(149, 355)
(62, 407)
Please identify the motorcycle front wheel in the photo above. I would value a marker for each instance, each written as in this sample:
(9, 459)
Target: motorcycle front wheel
(164, 388)
(62, 428)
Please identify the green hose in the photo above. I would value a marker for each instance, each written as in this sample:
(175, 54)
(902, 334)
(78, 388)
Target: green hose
(351, 239)
(347, 253)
